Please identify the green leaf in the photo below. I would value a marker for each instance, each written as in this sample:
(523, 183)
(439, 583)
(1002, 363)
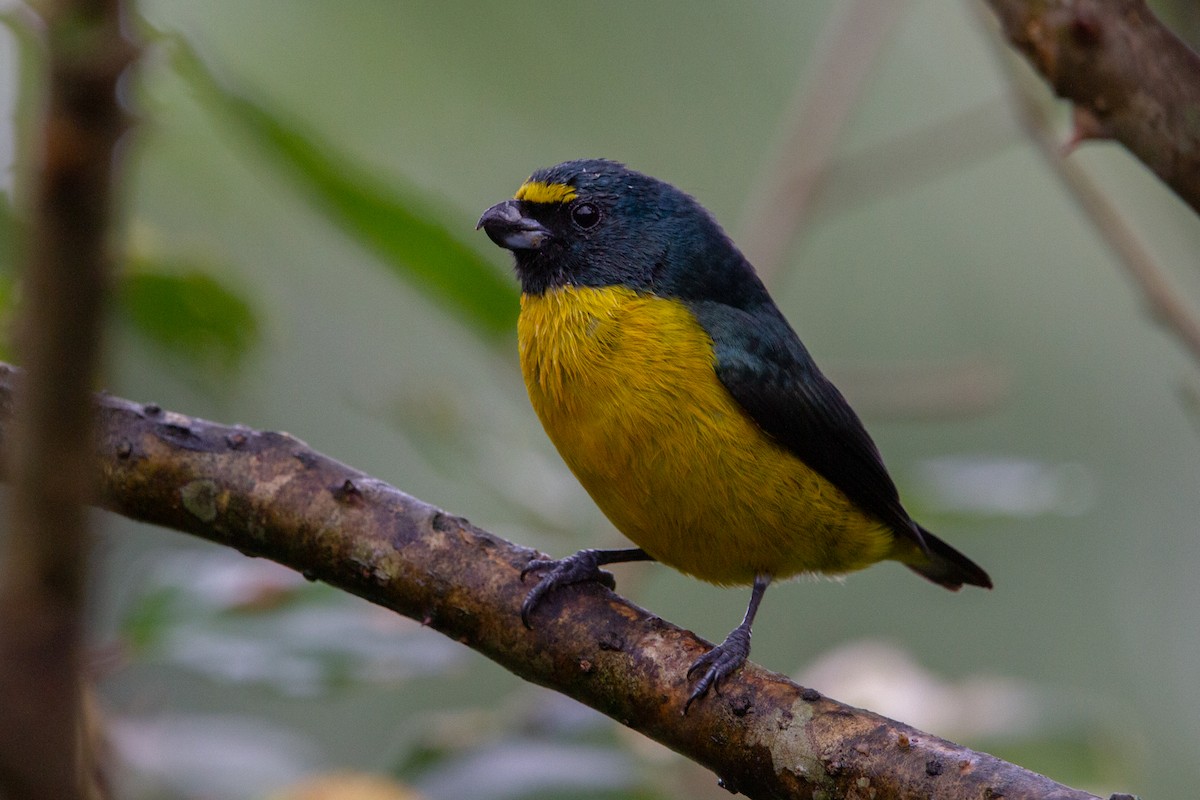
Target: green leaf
(189, 313)
(397, 221)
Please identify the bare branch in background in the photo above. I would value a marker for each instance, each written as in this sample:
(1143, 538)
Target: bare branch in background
(271, 495)
(919, 156)
(779, 206)
(1162, 298)
(43, 554)
(1130, 78)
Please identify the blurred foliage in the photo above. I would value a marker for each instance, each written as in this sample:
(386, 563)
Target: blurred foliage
(179, 307)
(205, 325)
(241, 621)
(185, 310)
(395, 219)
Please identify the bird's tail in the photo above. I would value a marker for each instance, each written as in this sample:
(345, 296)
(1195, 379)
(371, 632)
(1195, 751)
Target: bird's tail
(945, 566)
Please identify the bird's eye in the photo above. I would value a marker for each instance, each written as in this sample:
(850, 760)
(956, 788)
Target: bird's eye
(585, 215)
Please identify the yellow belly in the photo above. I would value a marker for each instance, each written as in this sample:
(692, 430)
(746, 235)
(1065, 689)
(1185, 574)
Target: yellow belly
(625, 386)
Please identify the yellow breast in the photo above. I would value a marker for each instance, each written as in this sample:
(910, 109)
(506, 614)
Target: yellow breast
(626, 388)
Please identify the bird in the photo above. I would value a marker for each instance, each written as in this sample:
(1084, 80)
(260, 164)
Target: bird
(686, 405)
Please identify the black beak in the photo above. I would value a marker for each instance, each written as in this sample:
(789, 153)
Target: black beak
(506, 227)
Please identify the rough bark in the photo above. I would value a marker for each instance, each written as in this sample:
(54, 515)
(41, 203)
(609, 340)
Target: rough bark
(270, 495)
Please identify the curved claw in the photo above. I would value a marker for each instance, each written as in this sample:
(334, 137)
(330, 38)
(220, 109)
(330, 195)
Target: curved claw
(578, 568)
(718, 664)
(535, 565)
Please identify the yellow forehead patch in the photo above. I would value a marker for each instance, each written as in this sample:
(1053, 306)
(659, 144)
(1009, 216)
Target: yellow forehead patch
(541, 192)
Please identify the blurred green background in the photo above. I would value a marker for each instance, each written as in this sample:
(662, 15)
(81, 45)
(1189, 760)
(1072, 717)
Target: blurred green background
(301, 189)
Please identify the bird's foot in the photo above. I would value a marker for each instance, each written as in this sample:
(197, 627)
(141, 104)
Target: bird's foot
(719, 663)
(579, 568)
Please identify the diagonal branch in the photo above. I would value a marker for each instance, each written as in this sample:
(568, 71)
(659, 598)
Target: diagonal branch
(270, 495)
(1130, 78)
(1163, 299)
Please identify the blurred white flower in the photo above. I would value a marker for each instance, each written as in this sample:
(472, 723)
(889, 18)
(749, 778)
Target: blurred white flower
(1006, 486)
(215, 756)
(885, 679)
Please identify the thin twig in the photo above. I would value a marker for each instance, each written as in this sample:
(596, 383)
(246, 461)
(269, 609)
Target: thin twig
(912, 158)
(778, 206)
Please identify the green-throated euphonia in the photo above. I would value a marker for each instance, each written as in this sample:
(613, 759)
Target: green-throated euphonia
(686, 405)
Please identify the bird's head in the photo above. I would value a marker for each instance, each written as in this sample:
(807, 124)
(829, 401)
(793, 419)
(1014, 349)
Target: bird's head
(597, 223)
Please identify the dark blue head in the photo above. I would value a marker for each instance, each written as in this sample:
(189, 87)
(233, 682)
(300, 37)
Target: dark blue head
(597, 223)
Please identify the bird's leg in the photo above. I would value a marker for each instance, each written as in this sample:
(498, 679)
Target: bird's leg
(583, 566)
(718, 663)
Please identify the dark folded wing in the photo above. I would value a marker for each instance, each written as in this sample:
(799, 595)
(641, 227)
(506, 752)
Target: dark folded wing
(766, 368)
